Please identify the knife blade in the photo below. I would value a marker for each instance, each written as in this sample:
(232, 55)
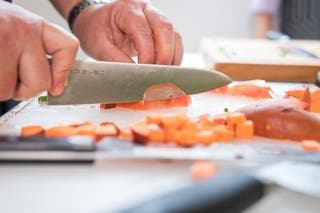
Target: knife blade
(110, 82)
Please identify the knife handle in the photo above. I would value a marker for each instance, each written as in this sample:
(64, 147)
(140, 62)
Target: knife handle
(225, 193)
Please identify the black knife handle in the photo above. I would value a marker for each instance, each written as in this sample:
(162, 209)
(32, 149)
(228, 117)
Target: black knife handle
(226, 193)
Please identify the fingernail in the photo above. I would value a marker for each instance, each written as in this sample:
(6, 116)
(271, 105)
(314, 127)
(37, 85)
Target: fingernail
(57, 90)
(66, 83)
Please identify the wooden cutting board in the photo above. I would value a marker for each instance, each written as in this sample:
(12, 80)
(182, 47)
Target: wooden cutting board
(245, 59)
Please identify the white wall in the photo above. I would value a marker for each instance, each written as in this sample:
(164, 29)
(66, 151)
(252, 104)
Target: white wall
(194, 19)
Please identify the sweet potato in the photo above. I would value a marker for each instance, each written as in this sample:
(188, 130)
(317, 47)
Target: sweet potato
(283, 121)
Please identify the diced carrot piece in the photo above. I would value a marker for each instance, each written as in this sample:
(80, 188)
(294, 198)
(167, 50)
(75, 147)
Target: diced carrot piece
(245, 130)
(220, 119)
(306, 97)
(223, 133)
(156, 135)
(205, 120)
(315, 95)
(126, 133)
(186, 138)
(206, 137)
(106, 130)
(61, 131)
(315, 106)
(154, 118)
(173, 121)
(170, 134)
(296, 93)
(310, 145)
(202, 170)
(140, 132)
(188, 125)
(86, 128)
(32, 130)
(235, 118)
(108, 106)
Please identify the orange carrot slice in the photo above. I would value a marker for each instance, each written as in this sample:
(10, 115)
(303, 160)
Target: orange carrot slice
(310, 145)
(126, 133)
(235, 118)
(140, 132)
(203, 170)
(160, 96)
(61, 131)
(245, 130)
(106, 129)
(32, 130)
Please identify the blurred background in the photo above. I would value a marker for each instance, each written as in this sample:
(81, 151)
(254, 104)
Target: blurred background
(193, 19)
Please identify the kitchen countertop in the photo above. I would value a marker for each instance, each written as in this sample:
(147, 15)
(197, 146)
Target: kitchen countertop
(110, 185)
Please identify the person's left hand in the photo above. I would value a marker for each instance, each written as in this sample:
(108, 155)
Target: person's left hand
(126, 28)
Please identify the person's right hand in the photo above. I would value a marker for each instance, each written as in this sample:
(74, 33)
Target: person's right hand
(25, 41)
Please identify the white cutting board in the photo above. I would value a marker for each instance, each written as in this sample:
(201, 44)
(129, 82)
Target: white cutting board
(32, 113)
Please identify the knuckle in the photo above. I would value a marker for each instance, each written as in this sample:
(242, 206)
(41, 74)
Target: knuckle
(166, 25)
(74, 44)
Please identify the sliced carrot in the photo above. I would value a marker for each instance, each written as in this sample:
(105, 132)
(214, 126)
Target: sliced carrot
(202, 170)
(108, 106)
(310, 145)
(154, 118)
(186, 138)
(126, 133)
(106, 130)
(156, 135)
(306, 97)
(206, 137)
(235, 118)
(249, 90)
(86, 128)
(170, 135)
(173, 121)
(315, 106)
(223, 133)
(61, 131)
(140, 132)
(160, 96)
(32, 130)
(245, 130)
(296, 93)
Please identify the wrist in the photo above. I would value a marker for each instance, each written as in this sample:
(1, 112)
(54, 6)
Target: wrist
(78, 8)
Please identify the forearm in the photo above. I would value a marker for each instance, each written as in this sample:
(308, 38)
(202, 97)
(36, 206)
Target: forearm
(64, 6)
(262, 24)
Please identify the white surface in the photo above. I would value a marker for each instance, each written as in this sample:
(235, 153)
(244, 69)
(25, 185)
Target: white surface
(110, 185)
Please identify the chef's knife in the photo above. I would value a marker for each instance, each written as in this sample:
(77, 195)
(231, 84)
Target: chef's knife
(234, 191)
(285, 39)
(110, 82)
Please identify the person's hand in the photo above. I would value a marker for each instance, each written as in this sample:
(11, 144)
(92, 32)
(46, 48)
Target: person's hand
(25, 41)
(125, 28)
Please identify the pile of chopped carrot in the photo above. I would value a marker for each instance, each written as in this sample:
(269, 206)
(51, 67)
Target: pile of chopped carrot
(160, 128)
(188, 132)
